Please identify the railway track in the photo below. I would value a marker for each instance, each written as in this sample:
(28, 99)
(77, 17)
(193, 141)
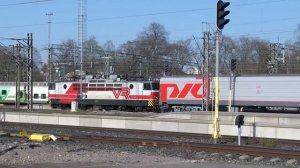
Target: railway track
(219, 148)
(183, 141)
(223, 140)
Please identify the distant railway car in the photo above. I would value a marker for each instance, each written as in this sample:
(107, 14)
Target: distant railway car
(187, 93)
(62, 94)
(8, 93)
(122, 95)
(40, 92)
(261, 91)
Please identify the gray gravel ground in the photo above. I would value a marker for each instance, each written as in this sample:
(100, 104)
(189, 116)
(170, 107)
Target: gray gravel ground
(79, 132)
(138, 165)
(65, 154)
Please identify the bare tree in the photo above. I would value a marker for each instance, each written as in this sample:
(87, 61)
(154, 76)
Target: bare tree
(227, 52)
(293, 54)
(92, 54)
(180, 56)
(152, 43)
(252, 55)
(151, 54)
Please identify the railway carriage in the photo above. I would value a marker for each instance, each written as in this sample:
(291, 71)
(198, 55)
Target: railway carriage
(255, 92)
(8, 93)
(261, 91)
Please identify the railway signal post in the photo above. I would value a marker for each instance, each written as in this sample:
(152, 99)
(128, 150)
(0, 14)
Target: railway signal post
(221, 22)
(233, 64)
(239, 121)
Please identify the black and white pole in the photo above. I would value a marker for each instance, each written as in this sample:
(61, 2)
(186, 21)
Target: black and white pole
(239, 121)
(239, 135)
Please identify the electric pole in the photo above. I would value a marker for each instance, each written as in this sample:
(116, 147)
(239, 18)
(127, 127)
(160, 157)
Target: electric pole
(29, 71)
(205, 71)
(81, 35)
(49, 47)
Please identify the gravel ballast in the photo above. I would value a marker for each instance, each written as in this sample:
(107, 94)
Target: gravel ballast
(23, 153)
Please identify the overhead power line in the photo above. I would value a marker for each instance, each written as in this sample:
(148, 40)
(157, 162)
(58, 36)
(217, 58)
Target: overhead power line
(259, 3)
(162, 13)
(24, 3)
(136, 15)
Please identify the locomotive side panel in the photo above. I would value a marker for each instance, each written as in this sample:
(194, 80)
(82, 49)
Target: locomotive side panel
(181, 91)
(105, 94)
(122, 95)
(64, 93)
(143, 94)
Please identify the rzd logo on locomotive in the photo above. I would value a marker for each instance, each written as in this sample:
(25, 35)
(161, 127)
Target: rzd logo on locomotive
(192, 88)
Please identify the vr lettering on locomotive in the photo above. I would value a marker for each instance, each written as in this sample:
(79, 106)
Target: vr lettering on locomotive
(125, 91)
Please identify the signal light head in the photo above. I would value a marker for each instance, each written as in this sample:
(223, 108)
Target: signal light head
(221, 13)
(233, 64)
(166, 68)
(239, 120)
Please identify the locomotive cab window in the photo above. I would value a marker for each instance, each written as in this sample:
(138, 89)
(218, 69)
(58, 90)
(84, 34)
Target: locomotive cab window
(155, 86)
(147, 86)
(52, 86)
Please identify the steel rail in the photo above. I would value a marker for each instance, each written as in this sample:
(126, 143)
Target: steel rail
(224, 140)
(220, 148)
(187, 146)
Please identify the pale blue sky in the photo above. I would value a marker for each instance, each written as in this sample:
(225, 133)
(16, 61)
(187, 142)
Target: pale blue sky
(122, 20)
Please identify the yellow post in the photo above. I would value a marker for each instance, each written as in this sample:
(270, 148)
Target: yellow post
(216, 120)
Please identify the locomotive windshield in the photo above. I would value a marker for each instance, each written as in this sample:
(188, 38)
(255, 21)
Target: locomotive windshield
(51, 86)
(151, 86)
(155, 86)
